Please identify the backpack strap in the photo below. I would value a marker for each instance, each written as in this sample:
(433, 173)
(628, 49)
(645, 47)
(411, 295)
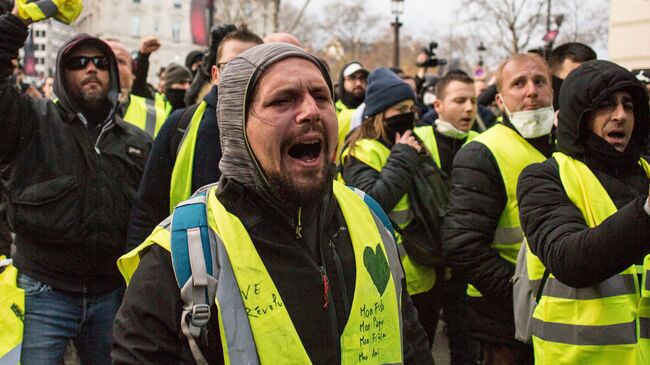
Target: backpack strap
(193, 251)
(180, 132)
(376, 209)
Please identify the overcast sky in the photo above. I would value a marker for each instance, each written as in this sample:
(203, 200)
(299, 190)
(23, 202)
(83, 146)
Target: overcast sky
(421, 17)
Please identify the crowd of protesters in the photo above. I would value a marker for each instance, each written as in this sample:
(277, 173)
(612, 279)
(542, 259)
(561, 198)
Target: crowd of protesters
(254, 207)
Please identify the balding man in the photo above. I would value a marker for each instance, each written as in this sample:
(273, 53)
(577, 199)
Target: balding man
(481, 233)
(282, 37)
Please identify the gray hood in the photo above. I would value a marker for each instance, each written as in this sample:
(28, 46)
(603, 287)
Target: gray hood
(238, 81)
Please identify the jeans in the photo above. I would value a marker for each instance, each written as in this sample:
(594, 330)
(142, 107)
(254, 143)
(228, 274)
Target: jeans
(53, 317)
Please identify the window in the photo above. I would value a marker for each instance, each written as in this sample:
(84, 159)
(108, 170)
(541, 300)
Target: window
(136, 1)
(135, 26)
(176, 31)
(177, 3)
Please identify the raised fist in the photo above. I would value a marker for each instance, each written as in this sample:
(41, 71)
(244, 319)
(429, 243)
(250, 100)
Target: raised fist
(149, 45)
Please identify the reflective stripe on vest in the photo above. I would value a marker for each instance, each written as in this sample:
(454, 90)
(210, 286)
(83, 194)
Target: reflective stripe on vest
(344, 118)
(428, 138)
(146, 114)
(594, 325)
(257, 323)
(419, 278)
(181, 182)
(512, 154)
(644, 310)
(12, 314)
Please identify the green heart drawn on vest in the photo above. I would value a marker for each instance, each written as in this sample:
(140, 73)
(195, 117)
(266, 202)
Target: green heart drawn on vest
(377, 266)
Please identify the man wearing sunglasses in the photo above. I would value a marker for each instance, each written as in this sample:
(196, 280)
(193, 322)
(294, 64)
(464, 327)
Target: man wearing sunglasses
(69, 172)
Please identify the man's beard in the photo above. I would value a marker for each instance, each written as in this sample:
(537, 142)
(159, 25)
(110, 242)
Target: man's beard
(290, 193)
(93, 98)
(352, 101)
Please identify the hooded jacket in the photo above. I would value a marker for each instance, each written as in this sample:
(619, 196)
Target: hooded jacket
(294, 249)
(577, 255)
(68, 185)
(476, 201)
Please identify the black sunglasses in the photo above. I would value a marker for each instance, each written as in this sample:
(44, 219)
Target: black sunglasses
(81, 62)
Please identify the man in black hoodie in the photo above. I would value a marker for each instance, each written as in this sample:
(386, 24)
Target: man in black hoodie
(69, 172)
(586, 216)
(481, 232)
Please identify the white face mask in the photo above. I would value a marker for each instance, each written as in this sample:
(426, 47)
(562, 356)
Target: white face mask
(532, 123)
(428, 98)
(448, 130)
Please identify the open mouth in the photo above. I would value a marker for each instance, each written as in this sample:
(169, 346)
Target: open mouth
(306, 151)
(616, 135)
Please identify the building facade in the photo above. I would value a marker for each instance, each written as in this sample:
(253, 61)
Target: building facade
(130, 20)
(629, 33)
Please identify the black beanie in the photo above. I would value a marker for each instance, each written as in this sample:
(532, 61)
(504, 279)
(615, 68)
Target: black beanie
(385, 89)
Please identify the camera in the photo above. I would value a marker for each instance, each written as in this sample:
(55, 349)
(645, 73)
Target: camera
(432, 59)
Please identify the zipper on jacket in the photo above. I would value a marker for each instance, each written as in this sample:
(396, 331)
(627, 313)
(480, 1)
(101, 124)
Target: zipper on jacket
(326, 287)
(341, 275)
(298, 224)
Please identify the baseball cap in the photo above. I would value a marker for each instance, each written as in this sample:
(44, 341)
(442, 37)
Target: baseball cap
(354, 67)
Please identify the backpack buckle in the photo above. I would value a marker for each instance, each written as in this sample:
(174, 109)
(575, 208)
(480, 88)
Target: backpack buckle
(200, 315)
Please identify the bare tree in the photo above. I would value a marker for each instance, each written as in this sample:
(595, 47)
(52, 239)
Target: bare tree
(307, 29)
(509, 25)
(584, 21)
(354, 25)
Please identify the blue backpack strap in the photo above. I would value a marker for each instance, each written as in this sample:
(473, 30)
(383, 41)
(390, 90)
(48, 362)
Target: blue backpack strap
(193, 251)
(376, 209)
(189, 215)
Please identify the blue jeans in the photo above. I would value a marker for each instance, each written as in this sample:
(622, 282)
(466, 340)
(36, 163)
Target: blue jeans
(53, 317)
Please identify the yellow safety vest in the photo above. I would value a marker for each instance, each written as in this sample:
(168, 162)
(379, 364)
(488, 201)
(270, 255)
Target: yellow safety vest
(601, 324)
(428, 137)
(373, 332)
(419, 278)
(344, 117)
(512, 154)
(644, 310)
(12, 313)
(146, 114)
(181, 183)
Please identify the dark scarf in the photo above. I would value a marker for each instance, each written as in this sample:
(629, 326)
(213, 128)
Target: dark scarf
(600, 155)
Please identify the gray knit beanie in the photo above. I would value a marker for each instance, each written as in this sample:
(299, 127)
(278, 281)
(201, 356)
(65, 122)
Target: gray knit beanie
(176, 74)
(236, 87)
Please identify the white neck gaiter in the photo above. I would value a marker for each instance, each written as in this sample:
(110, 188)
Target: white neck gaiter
(448, 130)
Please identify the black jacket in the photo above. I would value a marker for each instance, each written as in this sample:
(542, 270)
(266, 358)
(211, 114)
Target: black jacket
(390, 184)
(477, 199)
(577, 255)
(152, 201)
(69, 188)
(148, 332)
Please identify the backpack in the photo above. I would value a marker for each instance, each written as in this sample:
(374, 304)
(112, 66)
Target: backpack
(194, 259)
(428, 200)
(526, 295)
